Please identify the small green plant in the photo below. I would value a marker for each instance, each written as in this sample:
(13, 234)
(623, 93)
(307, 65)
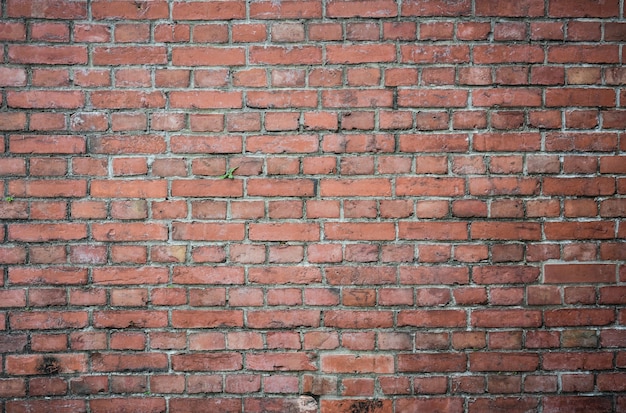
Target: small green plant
(229, 173)
(9, 199)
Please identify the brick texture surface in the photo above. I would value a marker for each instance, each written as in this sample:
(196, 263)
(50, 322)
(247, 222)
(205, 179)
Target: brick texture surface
(315, 206)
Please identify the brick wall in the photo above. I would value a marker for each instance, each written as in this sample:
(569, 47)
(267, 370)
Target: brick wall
(312, 206)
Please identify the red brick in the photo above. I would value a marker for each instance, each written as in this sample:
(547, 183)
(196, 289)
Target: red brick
(44, 99)
(510, 141)
(512, 75)
(46, 405)
(146, 404)
(129, 55)
(13, 343)
(359, 231)
(129, 275)
(578, 141)
(502, 318)
(12, 31)
(63, 55)
(510, 31)
(504, 97)
(436, 8)
(583, 75)
(127, 122)
(128, 188)
(47, 188)
(48, 320)
(366, 276)
(358, 143)
(279, 55)
(434, 275)
(494, 54)
(207, 56)
(358, 8)
(281, 187)
(12, 121)
(432, 230)
(281, 361)
(432, 296)
(581, 317)
(124, 9)
(12, 388)
(213, 10)
(50, 77)
(577, 361)
(583, 8)
(432, 120)
(430, 186)
(356, 98)
(124, 319)
(579, 230)
(13, 166)
(504, 186)
(430, 98)
(581, 31)
(284, 232)
(431, 362)
(577, 404)
(189, 405)
(12, 76)
(206, 318)
(13, 298)
(506, 230)
(505, 274)
(579, 273)
(46, 232)
(525, 8)
(357, 53)
(580, 97)
(355, 187)
(505, 296)
(117, 99)
(436, 31)
(128, 232)
(92, 33)
(207, 231)
(512, 404)
(432, 318)
(428, 54)
(473, 30)
(579, 186)
(352, 364)
(357, 120)
(281, 99)
(288, 32)
(490, 361)
(50, 276)
(281, 319)
(199, 275)
(206, 100)
(470, 253)
(614, 31)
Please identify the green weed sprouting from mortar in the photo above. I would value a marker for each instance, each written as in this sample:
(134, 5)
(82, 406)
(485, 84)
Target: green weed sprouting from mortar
(229, 173)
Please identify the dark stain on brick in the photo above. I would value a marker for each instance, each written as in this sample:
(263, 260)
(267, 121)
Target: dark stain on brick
(365, 406)
(49, 365)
